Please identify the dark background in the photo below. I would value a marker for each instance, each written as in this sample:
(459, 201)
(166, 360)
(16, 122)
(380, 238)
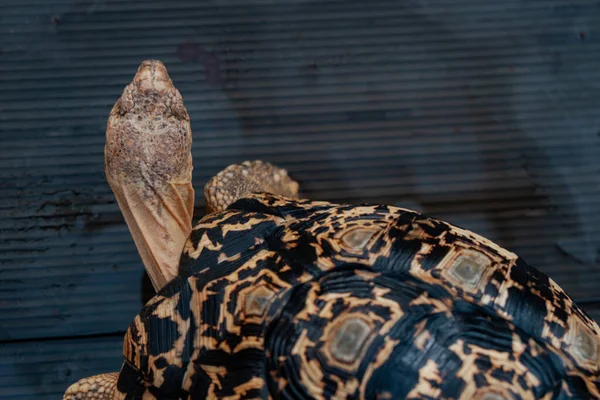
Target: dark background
(485, 114)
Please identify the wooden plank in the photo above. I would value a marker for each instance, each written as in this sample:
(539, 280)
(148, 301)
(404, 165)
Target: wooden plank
(45, 369)
(480, 114)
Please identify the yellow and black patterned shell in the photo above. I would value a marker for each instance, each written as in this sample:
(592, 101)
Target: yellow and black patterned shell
(281, 298)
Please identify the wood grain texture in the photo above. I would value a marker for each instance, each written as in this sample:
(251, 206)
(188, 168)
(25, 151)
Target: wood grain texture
(481, 114)
(45, 369)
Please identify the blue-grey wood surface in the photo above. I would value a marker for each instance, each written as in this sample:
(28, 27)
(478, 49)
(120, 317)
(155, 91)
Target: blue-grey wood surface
(481, 113)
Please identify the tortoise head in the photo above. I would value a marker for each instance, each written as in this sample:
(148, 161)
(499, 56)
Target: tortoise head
(148, 166)
(152, 77)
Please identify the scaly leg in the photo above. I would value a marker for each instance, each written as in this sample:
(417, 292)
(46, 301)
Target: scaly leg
(97, 387)
(239, 180)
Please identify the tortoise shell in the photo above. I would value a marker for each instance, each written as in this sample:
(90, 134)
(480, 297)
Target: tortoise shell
(274, 297)
(282, 298)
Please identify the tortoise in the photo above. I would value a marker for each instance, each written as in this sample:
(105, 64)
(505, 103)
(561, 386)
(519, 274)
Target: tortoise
(271, 295)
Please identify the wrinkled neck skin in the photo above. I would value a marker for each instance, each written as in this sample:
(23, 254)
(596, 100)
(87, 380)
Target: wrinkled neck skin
(148, 166)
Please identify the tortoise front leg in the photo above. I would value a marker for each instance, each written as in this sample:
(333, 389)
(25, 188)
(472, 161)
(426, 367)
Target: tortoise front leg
(240, 180)
(97, 387)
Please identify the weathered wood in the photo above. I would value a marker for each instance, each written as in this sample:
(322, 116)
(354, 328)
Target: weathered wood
(478, 113)
(45, 369)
